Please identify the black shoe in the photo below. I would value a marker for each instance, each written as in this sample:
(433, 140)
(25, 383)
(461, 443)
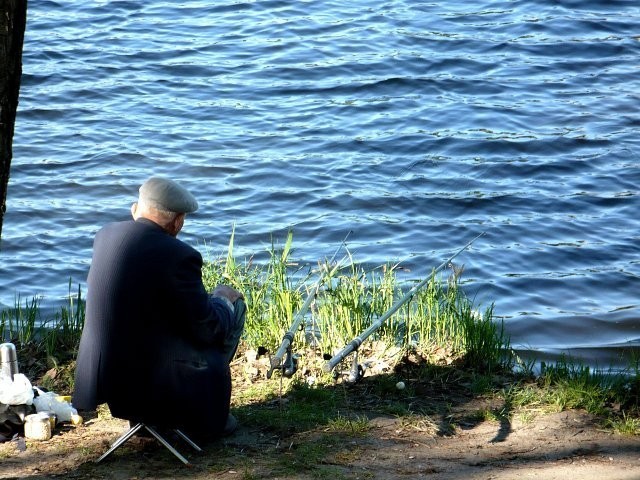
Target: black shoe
(231, 426)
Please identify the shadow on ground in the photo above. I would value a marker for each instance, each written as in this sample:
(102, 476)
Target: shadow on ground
(440, 425)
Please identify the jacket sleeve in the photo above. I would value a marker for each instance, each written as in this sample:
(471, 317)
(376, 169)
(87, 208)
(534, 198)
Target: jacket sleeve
(207, 319)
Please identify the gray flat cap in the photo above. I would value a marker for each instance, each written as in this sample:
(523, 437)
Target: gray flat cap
(165, 194)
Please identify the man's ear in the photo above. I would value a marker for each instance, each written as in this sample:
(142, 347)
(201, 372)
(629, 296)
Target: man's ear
(134, 208)
(178, 223)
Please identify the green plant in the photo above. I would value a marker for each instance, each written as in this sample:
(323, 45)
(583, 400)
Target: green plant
(625, 424)
(486, 346)
(61, 335)
(351, 299)
(357, 426)
(481, 384)
(573, 385)
(20, 324)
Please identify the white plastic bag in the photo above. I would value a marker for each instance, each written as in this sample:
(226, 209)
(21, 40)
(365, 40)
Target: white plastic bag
(51, 402)
(16, 392)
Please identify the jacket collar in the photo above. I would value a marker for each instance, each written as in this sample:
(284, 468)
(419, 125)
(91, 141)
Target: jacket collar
(151, 223)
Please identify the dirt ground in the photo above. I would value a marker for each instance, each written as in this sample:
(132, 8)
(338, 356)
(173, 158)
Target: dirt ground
(454, 443)
(555, 446)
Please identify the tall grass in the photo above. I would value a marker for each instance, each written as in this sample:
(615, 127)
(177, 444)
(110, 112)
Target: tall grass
(20, 323)
(570, 384)
(53, 337)
(350, 300)
(61, 335)
(273, 291)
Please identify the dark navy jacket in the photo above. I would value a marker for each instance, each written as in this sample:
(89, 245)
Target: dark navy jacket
(152, 334)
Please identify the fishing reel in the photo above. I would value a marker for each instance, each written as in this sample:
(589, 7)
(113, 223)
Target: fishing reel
(356, 372)
(288, 366)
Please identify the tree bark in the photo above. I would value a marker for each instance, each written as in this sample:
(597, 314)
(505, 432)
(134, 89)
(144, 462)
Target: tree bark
(13, 20)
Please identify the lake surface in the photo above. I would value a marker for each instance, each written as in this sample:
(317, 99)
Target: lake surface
(413, 125)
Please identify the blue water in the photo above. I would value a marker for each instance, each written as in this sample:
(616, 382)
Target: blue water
(413, 125)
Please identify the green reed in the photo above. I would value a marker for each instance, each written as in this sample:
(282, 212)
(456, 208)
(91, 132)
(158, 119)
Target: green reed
(568, 384)
(61, 334)
(55, 336)
(271, 292)
(571, 384)
(435, 316)
(20, 324)
(350, 300)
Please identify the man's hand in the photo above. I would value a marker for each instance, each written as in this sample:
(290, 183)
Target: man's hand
(227, 292)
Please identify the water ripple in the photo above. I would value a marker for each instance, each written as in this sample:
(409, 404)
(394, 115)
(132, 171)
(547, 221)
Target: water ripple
(414, 125)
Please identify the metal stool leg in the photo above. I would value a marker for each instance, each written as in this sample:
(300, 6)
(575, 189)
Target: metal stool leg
(166, 444)
(120, 441)
(157, 436)
(188, 440)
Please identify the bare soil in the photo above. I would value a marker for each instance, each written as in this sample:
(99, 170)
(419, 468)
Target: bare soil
(450, 441)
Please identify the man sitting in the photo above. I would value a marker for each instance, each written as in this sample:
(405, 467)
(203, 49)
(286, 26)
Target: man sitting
(156, 345)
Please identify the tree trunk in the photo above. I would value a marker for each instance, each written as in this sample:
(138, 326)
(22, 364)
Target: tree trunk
(13, 20)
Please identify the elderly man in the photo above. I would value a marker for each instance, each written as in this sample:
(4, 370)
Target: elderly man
(156, 345)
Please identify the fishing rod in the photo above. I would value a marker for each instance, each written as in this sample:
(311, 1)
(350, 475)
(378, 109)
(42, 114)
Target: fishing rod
(356, 370)
(290, 364)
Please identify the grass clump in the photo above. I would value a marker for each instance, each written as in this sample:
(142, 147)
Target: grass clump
(624, 424)
(47, 346)
(568, 384)
(354, 427)
(350, 299)
(571, 385)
